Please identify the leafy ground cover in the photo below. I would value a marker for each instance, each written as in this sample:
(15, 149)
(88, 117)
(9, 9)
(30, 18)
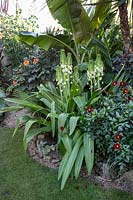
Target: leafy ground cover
(22, 178)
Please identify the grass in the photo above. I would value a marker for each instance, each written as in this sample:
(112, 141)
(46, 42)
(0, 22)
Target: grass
(21, 178)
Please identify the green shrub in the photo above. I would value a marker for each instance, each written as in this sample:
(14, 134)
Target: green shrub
(28, 77)
(38, 67)
(10, 28)
(13, 49)
(111, 123)
(2, 102)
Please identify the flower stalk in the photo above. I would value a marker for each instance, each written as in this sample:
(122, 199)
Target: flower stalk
(95, 73)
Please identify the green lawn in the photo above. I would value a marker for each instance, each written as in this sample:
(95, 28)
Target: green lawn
(21, 178)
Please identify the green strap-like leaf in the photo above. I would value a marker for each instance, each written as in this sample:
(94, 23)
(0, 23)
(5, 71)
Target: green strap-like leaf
(11, 108)
(53, 111)
(62, 120)
(70, 163)
(28, 126)
(94, 100)
(67, 141)
(34, 132)
(46, 102)
(79, 161)
(63, 165)
(77, 134)
(73, 123)
(19, 121)
(51, 87)
(89, 152)
(26, 104)
(81, 102)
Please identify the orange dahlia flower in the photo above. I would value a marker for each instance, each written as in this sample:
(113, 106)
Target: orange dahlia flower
(26, 62)
(35, 60)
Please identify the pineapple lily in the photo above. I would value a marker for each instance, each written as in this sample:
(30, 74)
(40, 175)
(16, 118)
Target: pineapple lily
(95, 73)
(68, 80)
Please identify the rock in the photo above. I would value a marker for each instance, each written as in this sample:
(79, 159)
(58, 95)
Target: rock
(55, 161)
(32, 153)
(36, 158)
(41, 138)
(36, 150)
(40, 155)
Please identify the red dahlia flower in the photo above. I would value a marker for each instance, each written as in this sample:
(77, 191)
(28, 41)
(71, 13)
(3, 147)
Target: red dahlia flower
(118, 137)
(89, 109)
(122, 83)
(117, 146)
(114, 83)
(125, 91)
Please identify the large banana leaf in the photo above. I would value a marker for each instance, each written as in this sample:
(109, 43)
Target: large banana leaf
(46, 41)
(72, 16)
(101, 11)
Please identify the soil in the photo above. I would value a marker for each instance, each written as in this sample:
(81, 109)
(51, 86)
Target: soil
(52, 159)
(9, 119)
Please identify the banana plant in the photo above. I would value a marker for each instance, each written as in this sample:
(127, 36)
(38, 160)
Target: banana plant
(81, 28)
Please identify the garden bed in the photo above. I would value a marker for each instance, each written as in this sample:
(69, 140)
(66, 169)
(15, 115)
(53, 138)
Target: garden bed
(52, 160)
